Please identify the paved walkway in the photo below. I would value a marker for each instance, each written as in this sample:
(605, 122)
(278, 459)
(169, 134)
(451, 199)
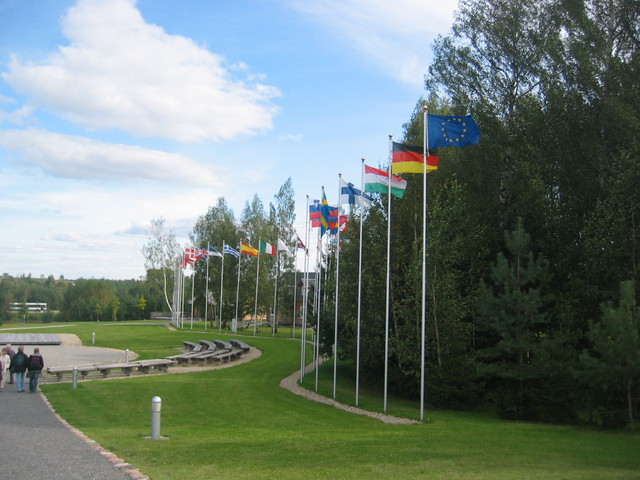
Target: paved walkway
(36, 445)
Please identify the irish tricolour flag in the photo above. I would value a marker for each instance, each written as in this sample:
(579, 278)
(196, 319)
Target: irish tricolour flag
(377, 181)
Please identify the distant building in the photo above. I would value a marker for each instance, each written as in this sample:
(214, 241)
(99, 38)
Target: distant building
(32, 307)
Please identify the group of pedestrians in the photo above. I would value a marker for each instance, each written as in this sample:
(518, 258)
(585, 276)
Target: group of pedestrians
(16, 365)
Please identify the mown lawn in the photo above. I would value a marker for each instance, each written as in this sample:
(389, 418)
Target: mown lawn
(238, 423)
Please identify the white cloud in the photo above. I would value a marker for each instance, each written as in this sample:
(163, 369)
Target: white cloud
(119, 72)
(396, 35)
(291, 137)
(76, 157)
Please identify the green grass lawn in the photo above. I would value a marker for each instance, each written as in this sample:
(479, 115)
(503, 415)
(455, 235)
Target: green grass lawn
(238, 423)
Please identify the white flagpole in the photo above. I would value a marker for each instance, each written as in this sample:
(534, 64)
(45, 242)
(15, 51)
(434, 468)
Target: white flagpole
(295, 286)
(317, 306)
(386, 317)
(359, 292)
(238, 284)
(255, 299)
(179, 293)
(176, 294)
(206, 291)
(424, 261)
(275, 296)
(305, 296)
(337, 296)
(193, 285)
(221, 285)
(174, 318)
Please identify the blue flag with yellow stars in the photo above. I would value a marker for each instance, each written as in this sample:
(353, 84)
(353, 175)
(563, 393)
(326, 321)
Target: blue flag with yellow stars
(452, 131)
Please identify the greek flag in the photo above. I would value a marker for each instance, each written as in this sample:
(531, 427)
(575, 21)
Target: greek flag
(229, 250)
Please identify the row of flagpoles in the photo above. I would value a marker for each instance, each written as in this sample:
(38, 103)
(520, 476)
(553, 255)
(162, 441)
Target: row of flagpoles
(185, 267)
(439, 131)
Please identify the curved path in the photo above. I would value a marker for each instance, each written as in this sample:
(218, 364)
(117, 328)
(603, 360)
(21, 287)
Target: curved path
(37, 443)
(291, 384)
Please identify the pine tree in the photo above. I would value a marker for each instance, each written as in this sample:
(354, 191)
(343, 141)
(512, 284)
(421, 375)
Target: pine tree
(511, 316)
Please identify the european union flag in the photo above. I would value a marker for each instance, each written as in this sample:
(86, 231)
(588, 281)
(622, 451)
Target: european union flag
(452, 131)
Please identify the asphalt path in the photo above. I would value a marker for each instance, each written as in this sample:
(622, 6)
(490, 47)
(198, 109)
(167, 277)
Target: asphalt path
(36, 444)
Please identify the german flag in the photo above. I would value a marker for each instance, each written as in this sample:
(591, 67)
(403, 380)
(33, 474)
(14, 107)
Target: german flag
(408, 159)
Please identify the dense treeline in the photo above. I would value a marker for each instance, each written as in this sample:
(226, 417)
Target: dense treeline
(215, 228)
(255, 224)
(533, 234)
(80, 300)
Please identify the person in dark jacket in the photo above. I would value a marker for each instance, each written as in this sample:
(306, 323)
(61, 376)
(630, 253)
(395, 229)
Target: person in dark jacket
(35, 365)
(11, 352)
(19, 364)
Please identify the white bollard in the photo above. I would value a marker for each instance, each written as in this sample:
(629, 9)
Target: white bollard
(74, 378)
(156, 406)
(93, 338)
(126, 355)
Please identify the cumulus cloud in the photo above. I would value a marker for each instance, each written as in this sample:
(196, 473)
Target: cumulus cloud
(120, 72)
(394, 35)
(69, 156)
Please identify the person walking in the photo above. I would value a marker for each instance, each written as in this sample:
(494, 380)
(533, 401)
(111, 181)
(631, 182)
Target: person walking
(11, 352)
(35, 364)
(4, 367)
(19, 364)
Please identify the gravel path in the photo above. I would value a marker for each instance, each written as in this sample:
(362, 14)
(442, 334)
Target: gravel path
(291, 384)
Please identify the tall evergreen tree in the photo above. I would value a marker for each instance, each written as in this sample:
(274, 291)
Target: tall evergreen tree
(610, 370)
(511, 313)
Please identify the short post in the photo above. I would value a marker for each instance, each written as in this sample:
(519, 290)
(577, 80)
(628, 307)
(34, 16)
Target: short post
(74, 378)
(93, 338)
(156, 406)
(126, 355)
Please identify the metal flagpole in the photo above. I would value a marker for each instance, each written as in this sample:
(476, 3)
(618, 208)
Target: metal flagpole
(317, 306)
(295, 286)
(221, 285)
(275, 296)
(337, 296)
(359, 293)
(386, 317)
(424, 261)
(176, 292)
(181, 295)
(206, 291)
(193, 289)
(305, 296)
(255, 299)
(238, 284)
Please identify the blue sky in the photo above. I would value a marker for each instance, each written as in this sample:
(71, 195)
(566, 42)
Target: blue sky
(115, 112)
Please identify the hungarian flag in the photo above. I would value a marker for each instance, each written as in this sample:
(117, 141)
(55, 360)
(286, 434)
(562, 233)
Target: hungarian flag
(377, 181)
(248, 249)
(409, 159)
(267, 248)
